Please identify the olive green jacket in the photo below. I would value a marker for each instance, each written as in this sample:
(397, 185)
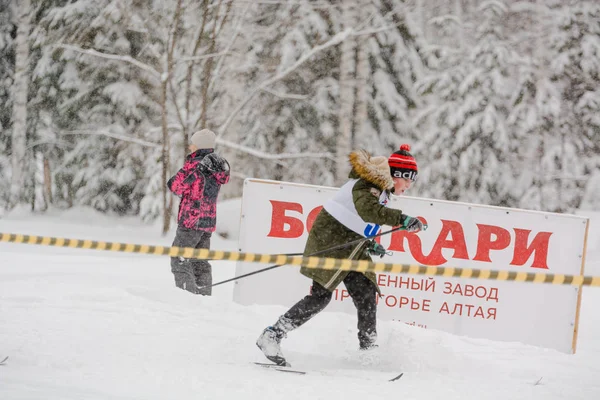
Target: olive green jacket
(328, 232)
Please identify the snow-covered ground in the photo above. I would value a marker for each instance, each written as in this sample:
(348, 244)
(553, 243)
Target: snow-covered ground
(83, 324)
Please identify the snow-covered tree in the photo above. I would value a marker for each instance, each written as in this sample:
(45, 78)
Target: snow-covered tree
(499, 99)
(534, 105)
(466, 143)
(19, 109)
(90, 102)
(7, 32)
(395, 64)
(123, 65)
(295, 112)
(347, 86)
(575, 68)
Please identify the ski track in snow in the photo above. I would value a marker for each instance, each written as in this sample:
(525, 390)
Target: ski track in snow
(83, 324)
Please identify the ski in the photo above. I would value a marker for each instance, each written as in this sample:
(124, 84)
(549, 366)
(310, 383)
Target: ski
(4, 361)
(397, 377)
(280, 368)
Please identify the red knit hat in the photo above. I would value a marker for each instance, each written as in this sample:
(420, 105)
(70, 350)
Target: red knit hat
(402, 164)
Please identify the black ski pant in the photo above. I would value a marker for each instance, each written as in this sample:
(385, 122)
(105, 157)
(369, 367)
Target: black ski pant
(192, 274)
(364, 297)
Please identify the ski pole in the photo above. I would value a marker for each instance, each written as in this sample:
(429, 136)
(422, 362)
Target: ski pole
(340, 246)
(235, 278)
(324, 251)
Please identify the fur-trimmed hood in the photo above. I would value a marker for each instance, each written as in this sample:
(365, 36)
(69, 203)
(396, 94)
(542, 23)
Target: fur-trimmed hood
(372, 169)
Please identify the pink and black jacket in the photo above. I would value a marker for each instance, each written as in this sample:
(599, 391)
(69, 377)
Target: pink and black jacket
(198, 184)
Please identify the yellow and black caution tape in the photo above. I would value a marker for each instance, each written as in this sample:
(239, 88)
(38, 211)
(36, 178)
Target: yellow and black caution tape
(309, 262)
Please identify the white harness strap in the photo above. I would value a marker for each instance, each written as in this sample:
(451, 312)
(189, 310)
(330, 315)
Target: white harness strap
(341, 207)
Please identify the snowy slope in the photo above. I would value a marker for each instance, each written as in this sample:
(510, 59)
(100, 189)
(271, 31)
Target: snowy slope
(82, 324)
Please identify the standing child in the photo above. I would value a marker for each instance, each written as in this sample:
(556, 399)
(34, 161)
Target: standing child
(197, 183)
(350, 215)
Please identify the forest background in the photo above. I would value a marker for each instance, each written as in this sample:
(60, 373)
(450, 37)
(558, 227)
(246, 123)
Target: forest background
(500, 100)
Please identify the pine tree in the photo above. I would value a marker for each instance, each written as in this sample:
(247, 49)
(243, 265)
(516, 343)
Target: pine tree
(7, 66)
(108, 79)
(576, 70)
(534, 107)
(82, 98)
(117, 87)
(396, 64)
(295, 114)
(467, 144)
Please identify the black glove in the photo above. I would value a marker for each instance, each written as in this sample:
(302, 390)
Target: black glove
(375, 249)
(412, 224)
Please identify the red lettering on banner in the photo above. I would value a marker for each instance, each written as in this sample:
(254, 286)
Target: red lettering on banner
(340, 294)
(468, 310)
(429, 284)
(451, 236)
(479, 312)
(279, 220)
(539, 245)
(522, 251)
(444, 308)
(415, 305)
(485, 242)
(311, 217)
(407, 302)
(424, 285)
(391, 301)
(493, 295)
(397, 241)
(471, 291)
(345, 294)
(411, 323)
(417, 325)
(403, 281)
(435, 257)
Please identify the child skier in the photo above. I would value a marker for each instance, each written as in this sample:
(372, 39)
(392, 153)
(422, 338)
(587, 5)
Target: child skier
(349, 216)
(197, 183)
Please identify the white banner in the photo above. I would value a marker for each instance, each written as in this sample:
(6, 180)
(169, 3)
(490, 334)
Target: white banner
(276, 217)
